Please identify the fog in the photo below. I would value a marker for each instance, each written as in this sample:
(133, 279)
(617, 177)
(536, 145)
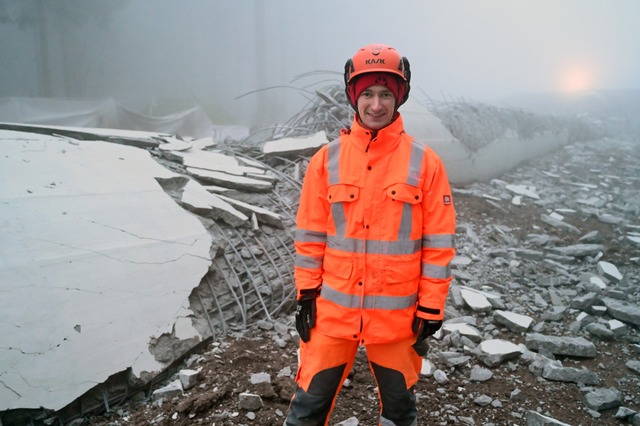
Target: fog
(241, 60)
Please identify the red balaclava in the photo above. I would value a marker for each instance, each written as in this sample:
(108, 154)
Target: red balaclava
(373, 79)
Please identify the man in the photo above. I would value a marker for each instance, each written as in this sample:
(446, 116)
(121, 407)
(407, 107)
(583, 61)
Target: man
(375, 236)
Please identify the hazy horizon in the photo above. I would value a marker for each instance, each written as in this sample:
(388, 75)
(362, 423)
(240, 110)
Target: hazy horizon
(143, 53)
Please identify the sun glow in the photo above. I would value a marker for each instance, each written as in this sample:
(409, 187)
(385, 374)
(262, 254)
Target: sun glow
(576, 78)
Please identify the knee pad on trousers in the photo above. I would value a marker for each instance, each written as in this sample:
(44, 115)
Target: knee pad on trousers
(312, 407)
(398, 402)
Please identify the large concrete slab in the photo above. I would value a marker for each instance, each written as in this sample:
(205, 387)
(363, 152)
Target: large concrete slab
(95, 259)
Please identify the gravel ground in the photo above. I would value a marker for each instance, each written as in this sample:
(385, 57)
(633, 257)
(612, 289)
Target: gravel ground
(488, 219)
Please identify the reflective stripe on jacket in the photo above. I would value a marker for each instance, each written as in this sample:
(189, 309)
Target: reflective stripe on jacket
(375, 229)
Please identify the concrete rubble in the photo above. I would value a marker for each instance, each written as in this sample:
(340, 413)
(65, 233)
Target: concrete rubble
(537, 304)
(543, 296)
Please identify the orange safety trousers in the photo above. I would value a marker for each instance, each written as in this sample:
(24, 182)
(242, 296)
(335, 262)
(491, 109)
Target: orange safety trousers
(325, 363)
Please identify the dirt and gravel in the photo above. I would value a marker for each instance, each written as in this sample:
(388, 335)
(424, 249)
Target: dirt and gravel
(226, 367)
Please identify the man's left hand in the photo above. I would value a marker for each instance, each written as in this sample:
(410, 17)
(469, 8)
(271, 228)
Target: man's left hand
(424, 328)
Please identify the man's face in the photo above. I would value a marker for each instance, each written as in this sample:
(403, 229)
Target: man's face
(376, 106)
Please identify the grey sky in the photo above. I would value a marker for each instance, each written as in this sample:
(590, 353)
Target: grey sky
(140, 51)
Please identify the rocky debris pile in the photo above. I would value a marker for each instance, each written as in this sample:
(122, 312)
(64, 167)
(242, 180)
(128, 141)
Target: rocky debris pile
(547, 277)
(542, 324)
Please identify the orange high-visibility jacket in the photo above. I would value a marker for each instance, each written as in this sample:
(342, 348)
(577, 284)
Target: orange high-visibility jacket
(375, 231)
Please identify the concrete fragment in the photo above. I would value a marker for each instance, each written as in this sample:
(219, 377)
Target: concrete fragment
(623, 311)
(585, 301)
(625, 413)
(569, 374)
(523, 190)
(198, 200)
(249, 401)
(495, 352)
(483, 400)
(618, 328)
(263, 215)
(188, 378)
(440, 376)
(536, 419)
(600, 330)
(561, 345)
(633, 365)
(578, 250)
(559, 224)
(174, 388)
(351, 421)
(592, 237)
(527, 253)
(555, 313)
(476, 301)
(514, 322)
(427, 368)
(260, 378)
(603, 399)
(480, 374)
(609, 271)
(466, 330)
(295, 146)
(241, 183)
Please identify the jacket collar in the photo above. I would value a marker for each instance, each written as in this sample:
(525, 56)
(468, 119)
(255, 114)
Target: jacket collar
(386, 139)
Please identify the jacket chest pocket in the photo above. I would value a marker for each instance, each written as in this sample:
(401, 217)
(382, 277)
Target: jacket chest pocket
(346, 211)
(404, 193)
(343, 193)
(403, 203)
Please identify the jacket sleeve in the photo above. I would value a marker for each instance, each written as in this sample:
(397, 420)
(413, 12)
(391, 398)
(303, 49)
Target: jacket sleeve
(311, 225)
(438, 240)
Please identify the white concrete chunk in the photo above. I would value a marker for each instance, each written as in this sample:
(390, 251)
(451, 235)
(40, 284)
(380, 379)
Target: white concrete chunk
(609, 271)
(477, 301)
(523, 190)
(188, 378)
(288, 145)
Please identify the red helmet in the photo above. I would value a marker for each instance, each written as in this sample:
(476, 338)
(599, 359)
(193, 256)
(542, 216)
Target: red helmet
(377, 58)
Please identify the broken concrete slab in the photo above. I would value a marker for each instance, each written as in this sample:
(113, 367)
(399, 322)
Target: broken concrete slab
(227, 180)
(68, 210)
(496, 351)
(197, 199)
(561, 345)
(295, 146)
(623, 311)
(513, 321)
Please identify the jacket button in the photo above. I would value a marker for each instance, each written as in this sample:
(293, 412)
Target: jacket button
(360, 283)
(393, 192)
(351, 195)
(368, 167)
(355, 336)
(417, 197)
(330, 196)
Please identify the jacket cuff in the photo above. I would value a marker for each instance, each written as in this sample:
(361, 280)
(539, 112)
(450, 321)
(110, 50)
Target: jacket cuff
(308, 293)
(429, 313)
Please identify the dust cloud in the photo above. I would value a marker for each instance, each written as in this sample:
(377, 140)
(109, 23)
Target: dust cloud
(248, 62)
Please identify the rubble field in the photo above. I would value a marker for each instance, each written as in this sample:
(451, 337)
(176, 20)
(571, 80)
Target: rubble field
(542, 322)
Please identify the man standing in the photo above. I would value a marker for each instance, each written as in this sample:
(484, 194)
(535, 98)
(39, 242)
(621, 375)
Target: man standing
(375, 236)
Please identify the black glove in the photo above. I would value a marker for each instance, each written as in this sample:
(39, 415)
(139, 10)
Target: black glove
(424, 328)
(306, 313)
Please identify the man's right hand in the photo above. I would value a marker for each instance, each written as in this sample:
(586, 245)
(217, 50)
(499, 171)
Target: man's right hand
(306, 313)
